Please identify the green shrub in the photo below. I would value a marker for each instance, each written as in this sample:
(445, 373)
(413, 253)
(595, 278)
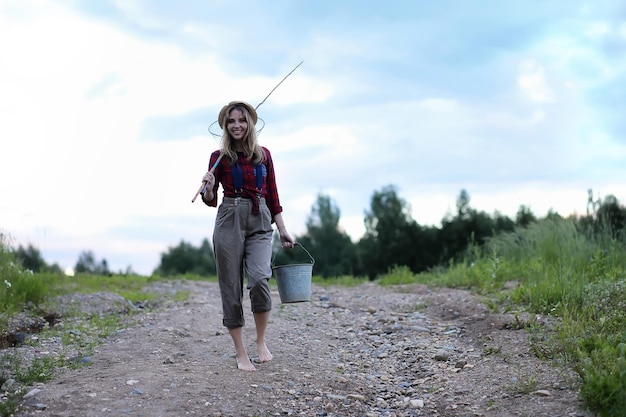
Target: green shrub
(564, 272)
(604, 381)
(605, 305)
(343, 281)
(18, 288)
(398, 275)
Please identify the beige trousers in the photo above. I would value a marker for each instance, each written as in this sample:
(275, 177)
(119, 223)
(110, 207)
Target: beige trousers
(242, 244)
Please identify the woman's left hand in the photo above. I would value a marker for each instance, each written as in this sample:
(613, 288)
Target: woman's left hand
(286, 240)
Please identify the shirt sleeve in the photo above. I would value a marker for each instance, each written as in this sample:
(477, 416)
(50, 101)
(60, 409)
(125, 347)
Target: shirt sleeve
(212, 161)
(271, 196)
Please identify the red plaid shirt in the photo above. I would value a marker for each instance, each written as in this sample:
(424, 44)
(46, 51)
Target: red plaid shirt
(224, 176)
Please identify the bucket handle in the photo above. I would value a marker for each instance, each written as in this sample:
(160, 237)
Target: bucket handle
(295, 244)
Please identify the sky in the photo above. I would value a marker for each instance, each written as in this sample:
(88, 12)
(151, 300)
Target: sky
(105, 108)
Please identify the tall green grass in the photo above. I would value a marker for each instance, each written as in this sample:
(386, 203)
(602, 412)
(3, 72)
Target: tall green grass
(557, 270)
(24, 291)
(560, 270)
(18, 287)
(21, 289)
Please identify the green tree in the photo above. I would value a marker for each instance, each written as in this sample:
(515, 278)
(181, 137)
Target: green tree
(207, 259)
(611, 216)
(30, 258)
(391, 237)
(468, 226)
(503, 223)
(463, 210)
(186, 258)
(331, 247)
(605, 217)
(87, 264)
(524, 216)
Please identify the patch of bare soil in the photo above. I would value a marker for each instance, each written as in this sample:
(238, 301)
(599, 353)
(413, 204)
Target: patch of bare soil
(364, 351)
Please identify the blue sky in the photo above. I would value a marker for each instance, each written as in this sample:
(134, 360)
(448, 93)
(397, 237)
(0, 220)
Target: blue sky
(104, 110)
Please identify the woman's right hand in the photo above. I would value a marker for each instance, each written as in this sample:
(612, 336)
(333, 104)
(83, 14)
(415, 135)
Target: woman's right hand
(209, 178)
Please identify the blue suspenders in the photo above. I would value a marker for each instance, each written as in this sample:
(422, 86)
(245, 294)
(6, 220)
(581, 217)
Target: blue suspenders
(259, 174)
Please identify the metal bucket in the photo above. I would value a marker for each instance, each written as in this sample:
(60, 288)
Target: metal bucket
(294, 281)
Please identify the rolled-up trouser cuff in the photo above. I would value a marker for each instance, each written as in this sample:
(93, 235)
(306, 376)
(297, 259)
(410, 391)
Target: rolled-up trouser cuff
(233, 324)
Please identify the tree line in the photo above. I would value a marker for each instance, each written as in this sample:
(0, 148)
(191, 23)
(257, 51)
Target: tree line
(392, 238)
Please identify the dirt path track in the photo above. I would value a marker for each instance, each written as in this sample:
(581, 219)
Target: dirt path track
(364, 351)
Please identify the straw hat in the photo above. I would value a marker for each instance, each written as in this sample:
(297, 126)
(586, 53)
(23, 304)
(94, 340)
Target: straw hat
(248, 107)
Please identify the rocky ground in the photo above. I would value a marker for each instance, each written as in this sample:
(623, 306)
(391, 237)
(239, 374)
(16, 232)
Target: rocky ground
(363, 351)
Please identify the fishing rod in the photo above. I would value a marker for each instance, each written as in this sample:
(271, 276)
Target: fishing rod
(219, 158)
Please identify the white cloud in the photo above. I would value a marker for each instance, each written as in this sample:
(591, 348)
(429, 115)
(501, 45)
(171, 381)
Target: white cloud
(361, 113)
(532, 80)
(597, 29)
(439, 104)
(78, 91)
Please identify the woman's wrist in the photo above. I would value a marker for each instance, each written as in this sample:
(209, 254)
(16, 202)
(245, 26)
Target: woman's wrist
(207, 195)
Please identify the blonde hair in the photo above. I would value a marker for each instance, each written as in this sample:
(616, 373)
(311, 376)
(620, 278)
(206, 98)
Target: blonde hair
(251, 149)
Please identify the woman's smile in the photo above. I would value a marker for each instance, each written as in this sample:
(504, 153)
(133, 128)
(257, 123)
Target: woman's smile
(237, 124)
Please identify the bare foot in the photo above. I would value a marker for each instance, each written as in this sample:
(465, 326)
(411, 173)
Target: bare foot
(244, 364)
(264, 354)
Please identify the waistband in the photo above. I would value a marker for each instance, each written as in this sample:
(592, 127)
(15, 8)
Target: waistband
(237, 200)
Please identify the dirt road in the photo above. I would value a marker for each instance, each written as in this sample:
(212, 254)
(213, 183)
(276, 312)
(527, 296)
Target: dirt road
(364, 351)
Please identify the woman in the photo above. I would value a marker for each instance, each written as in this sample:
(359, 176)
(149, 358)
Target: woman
(242, 238)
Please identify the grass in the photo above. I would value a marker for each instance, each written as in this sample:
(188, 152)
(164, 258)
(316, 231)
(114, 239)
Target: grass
(559, 271)
(39, 370)
(524, 385)
(129, 287)
(23, 374)
(25, 292)
(84, 333)
(562, 272)
(343, 281)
